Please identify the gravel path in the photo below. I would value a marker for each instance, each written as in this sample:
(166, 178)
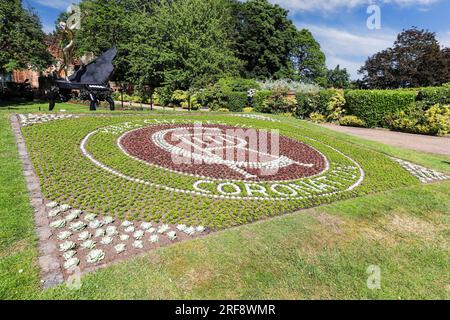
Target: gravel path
(436, 145)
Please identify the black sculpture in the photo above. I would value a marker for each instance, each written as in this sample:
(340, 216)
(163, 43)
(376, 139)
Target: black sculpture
(90, 80)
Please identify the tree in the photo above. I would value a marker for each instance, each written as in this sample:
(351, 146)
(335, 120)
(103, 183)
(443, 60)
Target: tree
(415, 60)
(186, 44)
(308, 60)
(21, 38)
(264, 39)
(338, 78)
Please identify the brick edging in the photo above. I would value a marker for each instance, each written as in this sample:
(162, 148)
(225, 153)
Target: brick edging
(50, 269)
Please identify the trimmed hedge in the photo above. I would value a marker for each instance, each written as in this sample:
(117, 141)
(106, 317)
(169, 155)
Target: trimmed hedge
(260, 100)
(237, 101)
(434, 95)
(373, 106)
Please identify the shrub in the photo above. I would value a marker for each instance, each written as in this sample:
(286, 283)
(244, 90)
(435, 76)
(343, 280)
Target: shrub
(335, 107)
(279, 102)
(351, 121)
(317, 117)
(237, 84)
(434, 121)
(289, 85)
(248, 110)
(260, 99)
(236, 101)
(223, 110)
(373, 106)
(306, 104)
(434, 95)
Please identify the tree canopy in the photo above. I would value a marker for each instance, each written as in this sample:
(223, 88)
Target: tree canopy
(338, 78)
(415, 60)
(21, 38)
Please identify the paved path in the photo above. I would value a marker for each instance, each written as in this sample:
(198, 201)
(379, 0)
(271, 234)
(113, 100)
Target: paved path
(436, 145)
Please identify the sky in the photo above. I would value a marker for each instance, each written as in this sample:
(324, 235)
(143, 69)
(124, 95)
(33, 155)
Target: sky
(340, 26)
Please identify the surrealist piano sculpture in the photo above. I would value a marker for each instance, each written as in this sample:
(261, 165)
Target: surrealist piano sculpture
(89, 82)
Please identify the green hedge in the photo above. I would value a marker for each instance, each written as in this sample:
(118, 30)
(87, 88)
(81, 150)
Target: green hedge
(237, 101)
(373, 106)
(434, 95)
(313, 102)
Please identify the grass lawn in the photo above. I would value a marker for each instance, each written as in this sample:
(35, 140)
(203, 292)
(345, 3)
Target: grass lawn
(323, 252)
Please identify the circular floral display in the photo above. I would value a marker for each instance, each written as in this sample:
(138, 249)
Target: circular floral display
(224, 152)
(222, 161)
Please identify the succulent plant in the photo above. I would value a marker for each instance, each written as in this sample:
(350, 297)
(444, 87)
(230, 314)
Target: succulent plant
(151, 230)
(138, 244)
(52, 205)
(146, 225)
(58, 224)
(83, 236)
(95, 256)
(64, 235)
(172, 235)
(95, 224)
(181, 227)
(111, 231)
(138, 235)
(124, 237)
(130, 229)
(127, 224)
(88, 244)
(154, 238)
(72, 262)
(55, 212)
(108, 220)
(77, 226)
(163, 229)
(99, 233)
(120, 248)
(66, 246)
(69, 254)
(65, 207)
(200, 229)
(90, 217)
(75, 214)
(189, 231)
(107, 240)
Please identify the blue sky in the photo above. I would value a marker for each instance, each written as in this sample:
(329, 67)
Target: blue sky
(338, 25)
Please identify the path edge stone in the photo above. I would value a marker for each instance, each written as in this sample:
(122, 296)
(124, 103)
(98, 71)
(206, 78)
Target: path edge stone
(50, 269)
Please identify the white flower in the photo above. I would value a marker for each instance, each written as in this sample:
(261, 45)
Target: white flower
(111, 231)
(138, 235)
(66, 246)
(200, 229)
(77, 226)
(54, 213)
(130, 229)
(146, 225)
(124, 237)
(90, 217)
(64, 235)
(151, 230)
(154, 238)
(189, 231)
(100, 233)
(52, 205)
(108, 220)
(138, 244)
(72, 262)
(120, 248)
(58, 224)
(107, 240)
(181, 227)
(95, 256)
(164, 228)
(95, 224)
(69, 254)
(89, 244)
(84, 236)
(126, 224)
(172, 235)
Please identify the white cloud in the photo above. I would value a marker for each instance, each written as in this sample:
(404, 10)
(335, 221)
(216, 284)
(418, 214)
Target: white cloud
(332, 5)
